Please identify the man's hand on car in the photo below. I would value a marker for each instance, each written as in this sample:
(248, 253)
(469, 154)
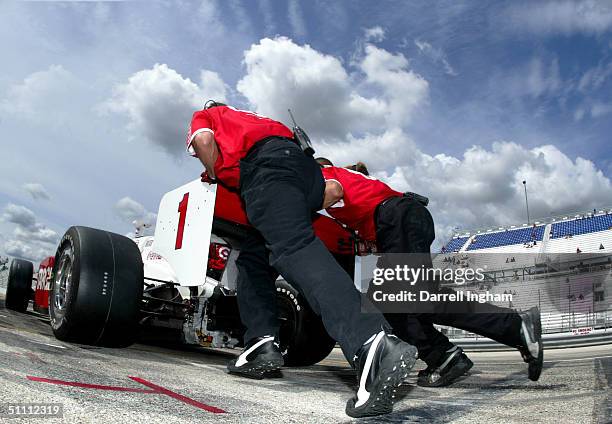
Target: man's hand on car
(207, 178)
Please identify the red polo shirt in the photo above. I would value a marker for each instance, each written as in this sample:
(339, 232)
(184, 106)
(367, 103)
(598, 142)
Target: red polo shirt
(362, 194)
(235, 131)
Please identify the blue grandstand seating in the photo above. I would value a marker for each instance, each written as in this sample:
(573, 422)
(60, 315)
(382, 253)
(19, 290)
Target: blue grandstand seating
(455, 244)
(506, 238)
(581, 226)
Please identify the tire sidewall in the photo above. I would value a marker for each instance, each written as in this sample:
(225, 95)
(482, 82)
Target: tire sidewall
(62, 324)
(289, 297)
(102, 306)
(19, 285)
(304, 342)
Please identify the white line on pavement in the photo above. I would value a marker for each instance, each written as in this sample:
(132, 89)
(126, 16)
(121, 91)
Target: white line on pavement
(46, 344)
(579, 359)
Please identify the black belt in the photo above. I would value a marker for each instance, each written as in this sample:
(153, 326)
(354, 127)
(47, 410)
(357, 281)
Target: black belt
(265, 141)
(410, 195)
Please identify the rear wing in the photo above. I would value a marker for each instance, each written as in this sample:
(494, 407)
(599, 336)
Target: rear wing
(183, 230)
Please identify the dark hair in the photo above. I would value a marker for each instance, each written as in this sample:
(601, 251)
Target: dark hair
(212, 103)
(359, 167)
(324, 161)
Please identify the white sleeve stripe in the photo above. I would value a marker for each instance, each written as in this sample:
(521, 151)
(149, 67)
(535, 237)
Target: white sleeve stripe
(335, 180)
(201, 130)
(369, 177)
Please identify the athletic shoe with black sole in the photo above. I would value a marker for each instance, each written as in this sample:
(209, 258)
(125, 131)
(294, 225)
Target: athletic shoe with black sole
(532, 349)
(454, 364)
(382, 365)
(260, 358)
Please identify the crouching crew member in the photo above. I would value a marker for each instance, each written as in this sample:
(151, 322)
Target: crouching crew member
(281, 188)
(402, 224)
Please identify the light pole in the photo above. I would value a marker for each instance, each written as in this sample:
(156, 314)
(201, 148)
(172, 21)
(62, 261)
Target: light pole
(526, 201)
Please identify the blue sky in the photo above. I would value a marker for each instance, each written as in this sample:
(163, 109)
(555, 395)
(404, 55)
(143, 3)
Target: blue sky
(458, 100)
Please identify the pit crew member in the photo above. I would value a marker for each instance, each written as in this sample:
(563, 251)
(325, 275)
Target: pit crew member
(401, 224)
(281, 188)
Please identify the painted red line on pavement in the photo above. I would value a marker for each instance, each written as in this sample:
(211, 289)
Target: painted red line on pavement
(177, 396)
(156, 390)
(89, 386)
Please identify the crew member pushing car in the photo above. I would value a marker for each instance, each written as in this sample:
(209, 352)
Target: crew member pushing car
(400, 224)
(282, 187)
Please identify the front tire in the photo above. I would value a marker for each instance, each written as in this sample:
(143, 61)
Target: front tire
(96, 289)
(19, 285)
(303, 338)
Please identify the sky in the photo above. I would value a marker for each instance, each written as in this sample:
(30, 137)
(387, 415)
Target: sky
(458, 101)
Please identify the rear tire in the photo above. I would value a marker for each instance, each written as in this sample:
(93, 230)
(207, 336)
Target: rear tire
(96, 290)
(19, 285)
(303, 338)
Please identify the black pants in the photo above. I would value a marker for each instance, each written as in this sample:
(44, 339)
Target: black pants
(403, 225)
(282, 188)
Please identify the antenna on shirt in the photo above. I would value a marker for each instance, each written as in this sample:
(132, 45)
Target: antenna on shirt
(301, 137)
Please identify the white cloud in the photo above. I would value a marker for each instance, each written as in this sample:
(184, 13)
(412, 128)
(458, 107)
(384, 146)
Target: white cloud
(593, 78)
(542, 79)
(281, 75)
(27, 226)
(267, 10)
(592, 108)
(20, 249)
(32, 98)
(403, 90)
(208, 11)
(335, 99)
(579, 114)
(600, 109)
(538, 79)
(437, 55)
(483, 187)
(19, 215)
(325, 98)
(38, 233)
(213, 86)
(28, 251)
(559, 17)
(375, 34)
(134, 213)
(243, 21)
(31, 239)
(295, 18)
(37, 191)
(159, 102)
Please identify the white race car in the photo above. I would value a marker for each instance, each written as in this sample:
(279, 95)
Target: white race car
(106, 289)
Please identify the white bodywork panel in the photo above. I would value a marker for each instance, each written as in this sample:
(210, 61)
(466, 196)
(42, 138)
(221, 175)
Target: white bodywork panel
(230, 275)
(155, 266)
(183, 261)
(364, 271)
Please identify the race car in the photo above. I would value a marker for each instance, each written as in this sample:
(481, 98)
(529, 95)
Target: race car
(106, 289)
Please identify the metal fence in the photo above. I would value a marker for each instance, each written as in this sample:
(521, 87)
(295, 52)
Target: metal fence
(3, 279)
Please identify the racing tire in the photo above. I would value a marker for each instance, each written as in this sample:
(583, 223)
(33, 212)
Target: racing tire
(303, 338)
(19, 285)
(96, 290)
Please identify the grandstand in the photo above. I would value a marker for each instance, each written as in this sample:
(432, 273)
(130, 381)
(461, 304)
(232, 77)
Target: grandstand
(455, 244)
(582, 225)
(506, 238)
(587, 232)
(563, 265)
